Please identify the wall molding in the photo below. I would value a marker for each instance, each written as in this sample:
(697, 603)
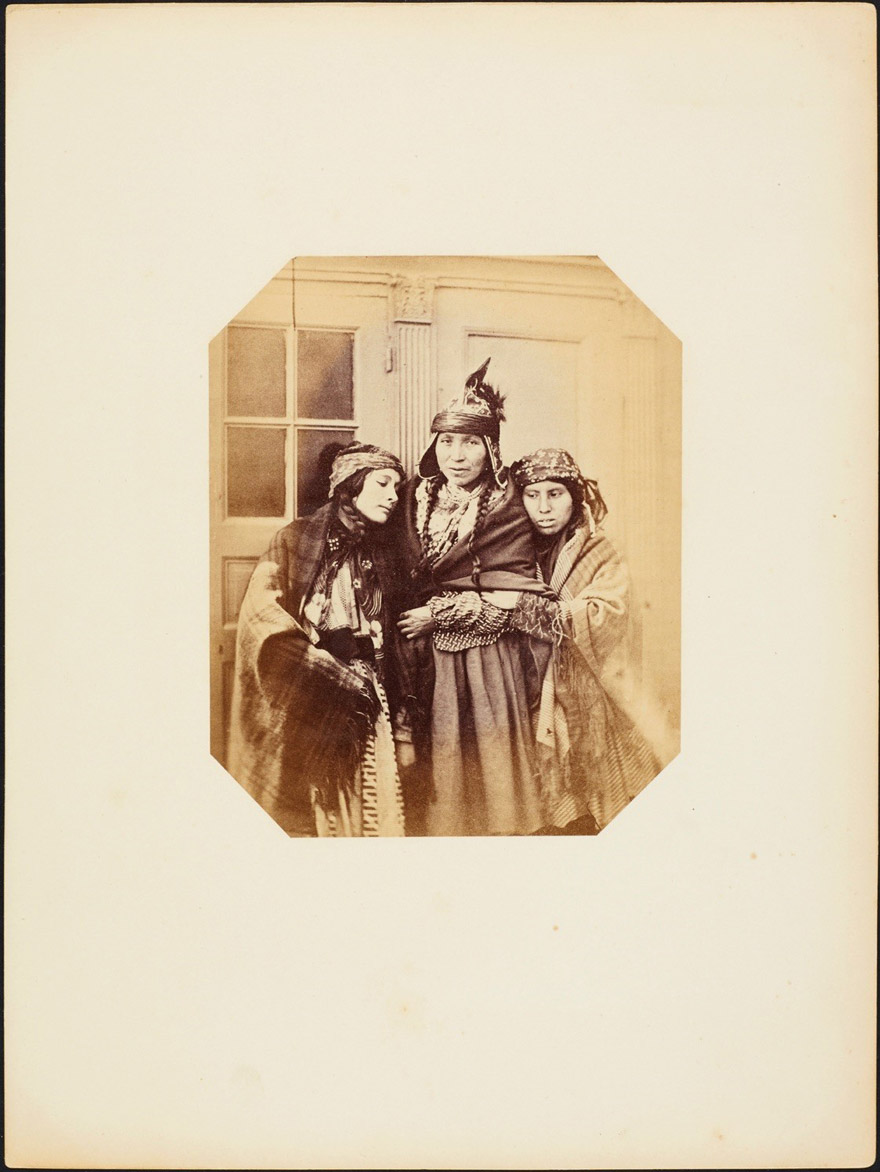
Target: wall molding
(607, 292)
(413, 294)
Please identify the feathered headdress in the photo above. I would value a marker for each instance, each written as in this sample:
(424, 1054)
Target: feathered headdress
(478, 387)
(478, 410)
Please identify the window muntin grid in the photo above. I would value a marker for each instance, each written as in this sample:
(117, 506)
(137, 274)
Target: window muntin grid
(316, 368)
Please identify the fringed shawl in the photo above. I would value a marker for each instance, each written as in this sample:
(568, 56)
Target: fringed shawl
(593, 583)
(589, 675)
(300, 716)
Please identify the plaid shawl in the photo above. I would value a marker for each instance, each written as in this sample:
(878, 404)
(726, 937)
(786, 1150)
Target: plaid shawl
(607, 757)
(300, 717)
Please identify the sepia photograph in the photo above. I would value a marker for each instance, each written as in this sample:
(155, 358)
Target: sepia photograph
(453, 424)
(445, 543)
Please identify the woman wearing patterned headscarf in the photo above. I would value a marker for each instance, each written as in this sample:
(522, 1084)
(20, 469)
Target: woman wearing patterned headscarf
(593, 758)
(469, 545)
(311, 735)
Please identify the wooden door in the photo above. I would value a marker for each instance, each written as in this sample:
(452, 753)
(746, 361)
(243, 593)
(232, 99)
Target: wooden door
(297, 374)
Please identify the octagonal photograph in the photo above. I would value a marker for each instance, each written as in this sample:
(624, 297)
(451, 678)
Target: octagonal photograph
(445, 546)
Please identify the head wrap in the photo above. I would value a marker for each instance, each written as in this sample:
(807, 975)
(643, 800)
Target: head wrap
(557, 464)
(478, 410)
(357, 456)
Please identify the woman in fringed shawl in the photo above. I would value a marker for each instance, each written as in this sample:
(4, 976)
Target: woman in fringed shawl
(593, 758)
(311, 736)
(469, 546)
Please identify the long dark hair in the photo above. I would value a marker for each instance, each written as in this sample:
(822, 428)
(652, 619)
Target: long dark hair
(434, 485)
(579, 508)
(345, 494)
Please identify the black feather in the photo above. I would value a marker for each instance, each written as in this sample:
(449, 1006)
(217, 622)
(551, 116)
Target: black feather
(476, 379)
(486, 392)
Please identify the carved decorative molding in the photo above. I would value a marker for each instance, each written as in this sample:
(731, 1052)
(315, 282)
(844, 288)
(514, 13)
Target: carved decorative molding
(413, 298)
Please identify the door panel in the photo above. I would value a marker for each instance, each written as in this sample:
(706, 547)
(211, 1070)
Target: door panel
(540, 379)
(541, 344)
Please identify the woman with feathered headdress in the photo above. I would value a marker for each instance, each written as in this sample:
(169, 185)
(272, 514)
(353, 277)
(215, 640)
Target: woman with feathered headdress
(470, 549)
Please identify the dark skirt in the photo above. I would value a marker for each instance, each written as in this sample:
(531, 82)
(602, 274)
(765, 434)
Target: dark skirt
(484, 772)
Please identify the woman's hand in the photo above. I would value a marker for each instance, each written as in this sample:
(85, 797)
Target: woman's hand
(416, 622)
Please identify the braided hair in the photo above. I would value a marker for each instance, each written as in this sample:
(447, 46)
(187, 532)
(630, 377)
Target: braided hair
(482, 509)
(434, 485)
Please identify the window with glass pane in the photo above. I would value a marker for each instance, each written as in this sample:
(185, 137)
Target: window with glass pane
(255, 471)
(255, 372)
(315, 449)
(324, 374)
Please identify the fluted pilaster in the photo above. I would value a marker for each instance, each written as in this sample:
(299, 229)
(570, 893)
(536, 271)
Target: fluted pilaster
(415, 405)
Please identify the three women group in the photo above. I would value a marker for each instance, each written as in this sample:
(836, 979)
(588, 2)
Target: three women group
(438, 657)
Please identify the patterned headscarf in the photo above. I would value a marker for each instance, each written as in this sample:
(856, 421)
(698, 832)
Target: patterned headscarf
(557, 464)
(478, 410)
(356, 456)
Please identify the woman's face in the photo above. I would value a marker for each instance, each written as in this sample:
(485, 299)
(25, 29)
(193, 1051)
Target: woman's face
(461, 458)
(549, 504)
(378, 497)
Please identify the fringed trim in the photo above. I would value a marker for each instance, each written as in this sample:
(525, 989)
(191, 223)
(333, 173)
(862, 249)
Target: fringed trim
(538, 617)
(587, 699)
(353, 731)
